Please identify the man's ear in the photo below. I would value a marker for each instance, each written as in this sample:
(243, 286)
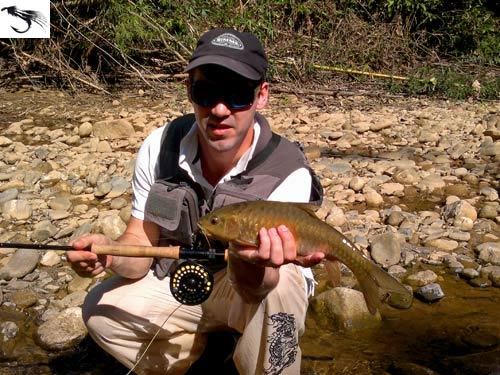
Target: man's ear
(263, 95)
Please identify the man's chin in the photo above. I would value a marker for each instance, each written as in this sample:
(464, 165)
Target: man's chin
(221, 145)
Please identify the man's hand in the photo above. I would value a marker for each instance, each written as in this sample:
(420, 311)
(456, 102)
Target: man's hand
(254, 272)
(86, 263)
(277, 247)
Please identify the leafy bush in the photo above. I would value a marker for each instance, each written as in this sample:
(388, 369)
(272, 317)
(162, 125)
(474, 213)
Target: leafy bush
(401, 37)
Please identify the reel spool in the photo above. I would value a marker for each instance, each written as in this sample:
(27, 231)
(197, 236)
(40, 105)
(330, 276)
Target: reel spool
(191, 283)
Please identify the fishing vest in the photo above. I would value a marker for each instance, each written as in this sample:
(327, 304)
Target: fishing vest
(175, 202)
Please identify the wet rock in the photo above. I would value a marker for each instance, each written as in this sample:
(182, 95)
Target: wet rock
(344, 308)
(63, 332)
(469, 273)
(74, 299)
(480, 282)
(494, 277)
(480, 339)
(489, 252)
(79, 284)
(431, 292)
(431, 183)
(9, 330)
(21, 263)
(24, 298)
(421, 278)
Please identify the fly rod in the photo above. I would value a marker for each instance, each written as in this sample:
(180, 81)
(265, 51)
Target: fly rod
(172, 252)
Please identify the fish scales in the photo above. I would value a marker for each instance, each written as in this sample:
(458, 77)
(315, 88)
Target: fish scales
(240, 223)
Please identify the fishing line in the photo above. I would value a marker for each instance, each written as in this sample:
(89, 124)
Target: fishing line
(152, 340)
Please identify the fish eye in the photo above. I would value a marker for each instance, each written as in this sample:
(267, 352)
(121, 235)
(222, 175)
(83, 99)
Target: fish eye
(214, 220)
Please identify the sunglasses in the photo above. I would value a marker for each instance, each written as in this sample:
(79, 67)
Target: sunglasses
(236, 95)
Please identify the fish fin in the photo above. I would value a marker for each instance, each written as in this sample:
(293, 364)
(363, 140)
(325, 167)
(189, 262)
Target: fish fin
(370, 292)
(308, 208)
(333, 271)
(241, 242)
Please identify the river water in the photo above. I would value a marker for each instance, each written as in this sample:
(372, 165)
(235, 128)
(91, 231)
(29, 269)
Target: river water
(457, 335)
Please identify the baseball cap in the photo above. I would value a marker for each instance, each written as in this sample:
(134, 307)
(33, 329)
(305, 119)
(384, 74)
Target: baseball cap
(240, 52)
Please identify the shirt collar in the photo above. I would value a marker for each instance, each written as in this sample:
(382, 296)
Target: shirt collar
(190, 162)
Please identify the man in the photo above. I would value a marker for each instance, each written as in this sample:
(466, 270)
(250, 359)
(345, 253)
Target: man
(227, 153)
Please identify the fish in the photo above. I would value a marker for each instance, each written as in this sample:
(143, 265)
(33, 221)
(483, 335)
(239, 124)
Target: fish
(239, 224)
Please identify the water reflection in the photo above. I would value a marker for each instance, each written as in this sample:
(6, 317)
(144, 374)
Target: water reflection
(459, 334)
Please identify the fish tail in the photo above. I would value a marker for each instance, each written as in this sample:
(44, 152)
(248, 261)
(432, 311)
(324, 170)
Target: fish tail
(378, 283)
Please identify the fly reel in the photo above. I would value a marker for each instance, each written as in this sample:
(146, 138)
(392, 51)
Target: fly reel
(191, 283)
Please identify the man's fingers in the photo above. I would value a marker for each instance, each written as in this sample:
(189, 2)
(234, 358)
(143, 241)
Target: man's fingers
(264, 250)
(277, 255)
(310, 260)
(288, 244)
(80, 255)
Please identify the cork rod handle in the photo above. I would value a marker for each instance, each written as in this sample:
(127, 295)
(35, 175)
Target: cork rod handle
(172, 252)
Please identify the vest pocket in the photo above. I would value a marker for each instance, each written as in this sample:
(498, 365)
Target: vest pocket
(174, 207)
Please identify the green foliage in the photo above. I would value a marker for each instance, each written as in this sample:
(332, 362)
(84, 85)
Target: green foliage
(400, 37)
(126, 26)
(467, 29)
(449, 83)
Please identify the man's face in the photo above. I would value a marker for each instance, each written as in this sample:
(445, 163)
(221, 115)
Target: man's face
(224, 105)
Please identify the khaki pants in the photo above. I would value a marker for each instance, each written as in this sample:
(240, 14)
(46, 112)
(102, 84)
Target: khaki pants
(123, 315)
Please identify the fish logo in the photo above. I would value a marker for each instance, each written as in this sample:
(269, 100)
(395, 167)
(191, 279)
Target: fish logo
(28, 16)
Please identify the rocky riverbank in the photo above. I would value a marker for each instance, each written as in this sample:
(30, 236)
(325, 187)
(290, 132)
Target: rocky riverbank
(412, 182)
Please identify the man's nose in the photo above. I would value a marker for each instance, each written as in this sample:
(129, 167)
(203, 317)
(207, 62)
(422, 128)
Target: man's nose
(221, 109)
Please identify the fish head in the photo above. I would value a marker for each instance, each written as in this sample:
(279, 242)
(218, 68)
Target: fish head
(220, 225)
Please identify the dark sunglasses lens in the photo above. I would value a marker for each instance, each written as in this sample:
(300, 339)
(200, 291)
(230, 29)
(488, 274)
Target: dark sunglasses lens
(236, 96)
(204, 94)
(240, 96)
